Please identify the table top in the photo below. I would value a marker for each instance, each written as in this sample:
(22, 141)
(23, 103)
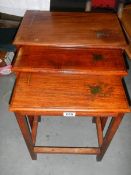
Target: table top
(70, 29)
(54, 94)
(70, 61)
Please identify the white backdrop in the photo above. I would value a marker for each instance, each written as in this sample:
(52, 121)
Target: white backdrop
(18, 7)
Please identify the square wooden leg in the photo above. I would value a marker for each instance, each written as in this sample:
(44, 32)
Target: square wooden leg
(113, 126)
(39, 119)
(30, 120)
(103, 122)
(23, 124)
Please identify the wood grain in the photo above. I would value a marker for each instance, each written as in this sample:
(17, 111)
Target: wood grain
(66, 150)
(43, 93)
(70, 60)
(72, 29)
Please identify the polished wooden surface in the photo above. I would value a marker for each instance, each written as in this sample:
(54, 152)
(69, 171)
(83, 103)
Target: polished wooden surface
(53, 93)
(72, 29)
(70, 60)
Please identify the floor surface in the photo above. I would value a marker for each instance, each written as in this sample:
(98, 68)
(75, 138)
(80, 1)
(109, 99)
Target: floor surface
(15, 159)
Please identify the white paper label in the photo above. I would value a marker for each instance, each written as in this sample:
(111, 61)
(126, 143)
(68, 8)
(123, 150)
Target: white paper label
(69, 114)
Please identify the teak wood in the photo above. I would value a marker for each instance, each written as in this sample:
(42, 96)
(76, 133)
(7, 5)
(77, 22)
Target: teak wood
(70, 60)
(95, 94)
(54, 94)
(62, 29)
(99, 151)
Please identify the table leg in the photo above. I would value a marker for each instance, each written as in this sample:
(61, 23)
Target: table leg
(39, 119)
(103, 122)
(23, 124)
(113, 126)
(93, 120)
(30, 119)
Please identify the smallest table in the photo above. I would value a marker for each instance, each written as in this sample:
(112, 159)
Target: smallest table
(78, 95)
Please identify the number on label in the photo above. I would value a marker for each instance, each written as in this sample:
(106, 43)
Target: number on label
(69, 114)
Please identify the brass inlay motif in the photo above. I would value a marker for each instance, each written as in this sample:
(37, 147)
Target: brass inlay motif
(95, 89)
(97, 57)
(100, 90)
(102, 34)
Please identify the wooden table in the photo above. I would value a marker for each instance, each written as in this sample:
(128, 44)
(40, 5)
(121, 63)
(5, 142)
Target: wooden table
(62, 29)
(69, 65)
